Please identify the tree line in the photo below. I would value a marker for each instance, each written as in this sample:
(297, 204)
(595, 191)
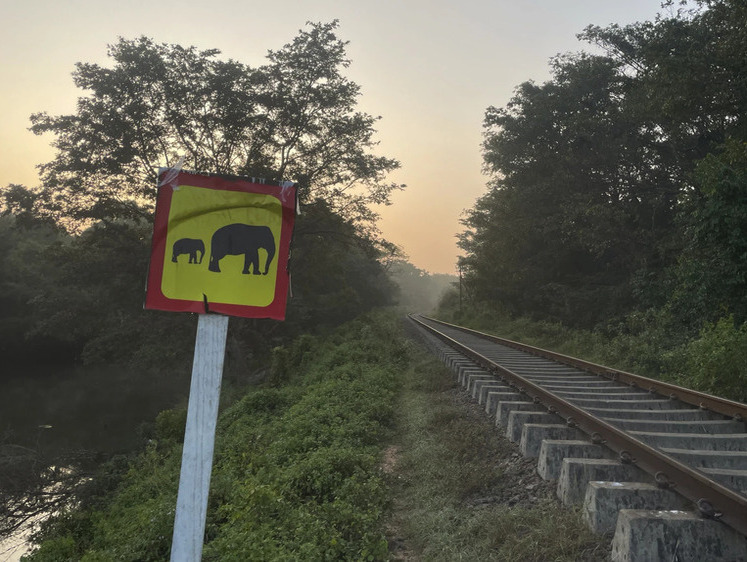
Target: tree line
(618, 188)
(75, 248)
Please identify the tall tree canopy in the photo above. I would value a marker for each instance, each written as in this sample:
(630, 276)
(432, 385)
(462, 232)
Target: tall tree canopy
(581, 195)
(293, 118)
(598, 189)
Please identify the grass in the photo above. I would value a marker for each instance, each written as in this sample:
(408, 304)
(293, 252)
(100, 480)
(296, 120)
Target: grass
(298, 471)
(454, 481)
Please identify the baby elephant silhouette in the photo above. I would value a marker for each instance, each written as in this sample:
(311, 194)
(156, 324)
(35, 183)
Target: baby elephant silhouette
(188, 246)
(236, 239)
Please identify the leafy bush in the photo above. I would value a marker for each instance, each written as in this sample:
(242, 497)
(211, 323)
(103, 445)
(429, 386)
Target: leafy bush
(170, 425)
(295, 474)
(716, 362)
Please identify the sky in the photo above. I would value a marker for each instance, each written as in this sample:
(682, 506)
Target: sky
(429, 68)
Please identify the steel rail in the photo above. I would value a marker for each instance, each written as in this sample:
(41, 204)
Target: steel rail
(735, 410)
(711, 498)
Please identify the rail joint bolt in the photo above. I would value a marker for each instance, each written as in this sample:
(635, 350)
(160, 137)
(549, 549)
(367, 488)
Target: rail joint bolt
(663, 481)
(707, 510)
(627, 458)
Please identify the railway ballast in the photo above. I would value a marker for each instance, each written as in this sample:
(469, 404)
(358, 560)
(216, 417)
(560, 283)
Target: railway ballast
(661, 467)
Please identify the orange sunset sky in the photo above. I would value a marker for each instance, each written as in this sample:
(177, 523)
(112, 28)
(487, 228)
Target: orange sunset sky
(428, 68)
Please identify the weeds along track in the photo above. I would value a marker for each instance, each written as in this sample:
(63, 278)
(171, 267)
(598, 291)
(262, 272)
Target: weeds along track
(661, 467)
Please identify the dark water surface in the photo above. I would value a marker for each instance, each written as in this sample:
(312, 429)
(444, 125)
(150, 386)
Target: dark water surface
(97, 409)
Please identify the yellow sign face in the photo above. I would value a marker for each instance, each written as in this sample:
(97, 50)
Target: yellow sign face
(221, 245)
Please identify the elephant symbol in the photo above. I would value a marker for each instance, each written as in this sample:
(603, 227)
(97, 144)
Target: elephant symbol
(188, 246)
(235, 239)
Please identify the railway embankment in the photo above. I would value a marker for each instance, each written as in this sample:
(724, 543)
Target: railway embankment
(661, 467)
(359, 445)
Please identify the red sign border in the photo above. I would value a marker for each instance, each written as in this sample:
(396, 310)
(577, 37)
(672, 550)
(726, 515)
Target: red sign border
(154, 297)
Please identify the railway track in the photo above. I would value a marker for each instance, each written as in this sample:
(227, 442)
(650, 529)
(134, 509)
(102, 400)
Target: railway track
(662, 468)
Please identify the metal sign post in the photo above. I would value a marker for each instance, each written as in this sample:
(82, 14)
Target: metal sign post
(199, 438)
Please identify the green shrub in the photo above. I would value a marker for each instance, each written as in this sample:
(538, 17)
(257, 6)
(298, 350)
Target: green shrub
(295, 474)
(716, 362)
(59, 549)
(170, 425)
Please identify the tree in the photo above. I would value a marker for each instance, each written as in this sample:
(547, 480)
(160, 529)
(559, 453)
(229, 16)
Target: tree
(419, 290)
(691, 91)
(579, 197)
(76, 293)
(25, 237)
(292, 118)
(336, 273)
(591, 170)
(689, 72)
(711, 274)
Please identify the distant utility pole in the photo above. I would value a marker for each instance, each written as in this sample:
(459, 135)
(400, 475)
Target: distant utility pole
(460, 288)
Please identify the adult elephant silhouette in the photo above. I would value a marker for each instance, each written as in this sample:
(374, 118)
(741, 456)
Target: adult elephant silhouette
(247, 239)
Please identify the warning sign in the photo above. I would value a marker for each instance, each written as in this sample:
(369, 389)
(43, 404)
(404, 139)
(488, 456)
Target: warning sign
(220, 244)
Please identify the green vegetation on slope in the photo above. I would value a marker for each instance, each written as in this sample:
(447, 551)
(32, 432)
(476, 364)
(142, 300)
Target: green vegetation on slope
(300, 471)
(296, 473)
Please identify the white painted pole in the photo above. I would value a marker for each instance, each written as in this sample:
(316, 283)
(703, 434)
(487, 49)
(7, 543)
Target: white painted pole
(199, 438)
